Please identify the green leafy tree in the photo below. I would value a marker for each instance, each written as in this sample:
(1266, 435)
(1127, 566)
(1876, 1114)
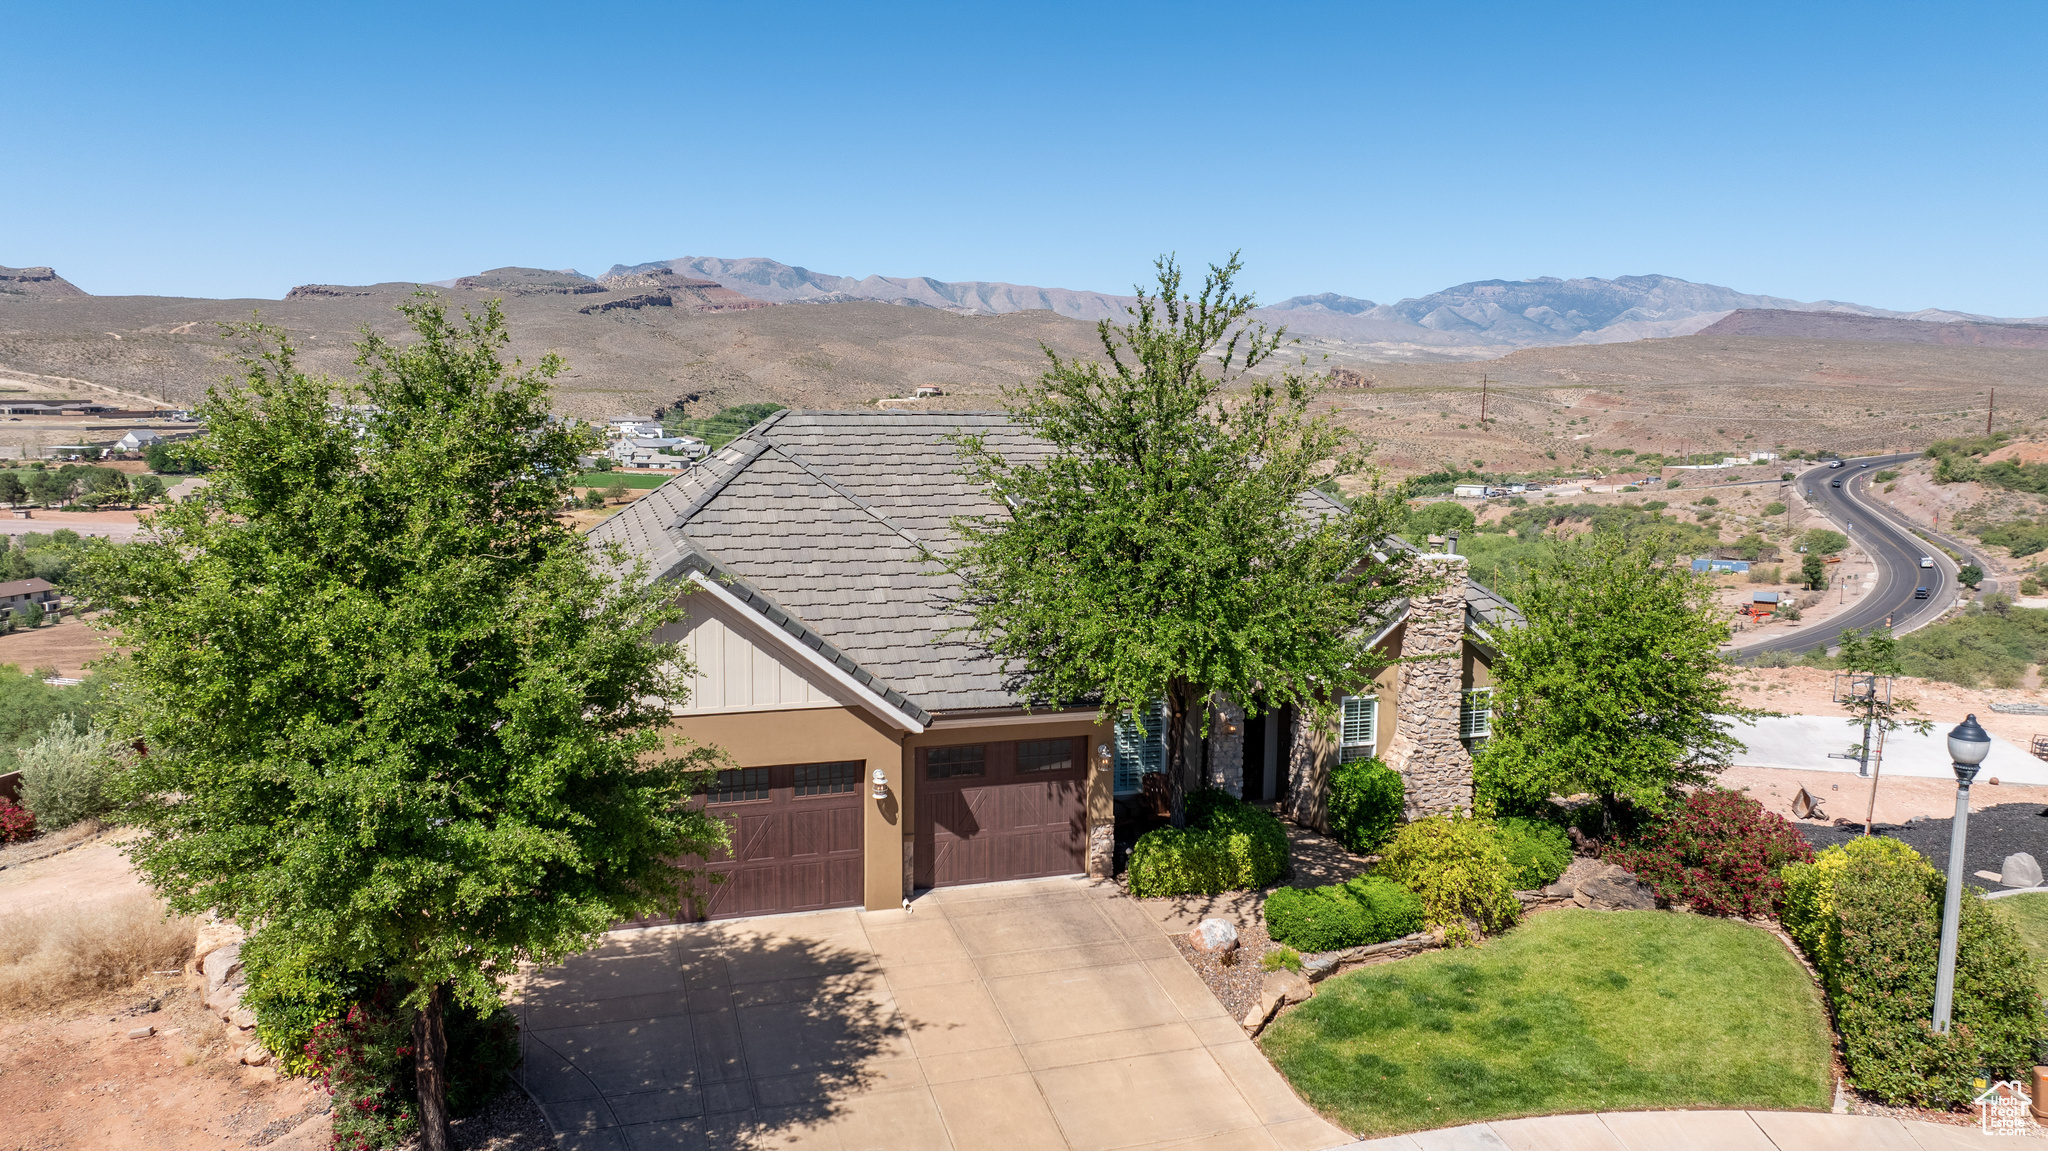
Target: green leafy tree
(1970, 575)
(1814, 571)
(12, 490)
(1440, 518)
(1824, 542)
(105, 486)
(398, 719)
(149, 489)
(30, 613)
(1613, 683)
(49, 488)
(1163, 548)
(615, 493)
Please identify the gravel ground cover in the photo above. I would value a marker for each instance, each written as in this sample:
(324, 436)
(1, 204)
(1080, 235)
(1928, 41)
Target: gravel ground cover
(1994, 833)
(1235, 985)
(511, 1122)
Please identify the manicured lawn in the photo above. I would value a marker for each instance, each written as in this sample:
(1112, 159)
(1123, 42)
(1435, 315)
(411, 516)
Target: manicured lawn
(603, 480)
(2030, 914)
(1572, 1011)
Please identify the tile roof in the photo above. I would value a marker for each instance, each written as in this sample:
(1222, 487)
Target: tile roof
(820, 521)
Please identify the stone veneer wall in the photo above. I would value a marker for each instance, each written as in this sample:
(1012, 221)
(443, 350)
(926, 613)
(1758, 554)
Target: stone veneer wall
(1425, 747)
(1311, 754)
(1226, 745)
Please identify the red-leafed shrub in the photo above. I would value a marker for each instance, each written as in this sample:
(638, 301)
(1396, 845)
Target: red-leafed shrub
(16, 822)
(364, 1060)
(1720, 852)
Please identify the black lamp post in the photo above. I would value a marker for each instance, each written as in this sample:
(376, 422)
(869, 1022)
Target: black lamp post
(1967, 747)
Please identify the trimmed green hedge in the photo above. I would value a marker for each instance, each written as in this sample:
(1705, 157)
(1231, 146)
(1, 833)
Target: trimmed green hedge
(1537, 852)
(1226, 846)
(1869, 914)
(1367, 800)
(1364, 910)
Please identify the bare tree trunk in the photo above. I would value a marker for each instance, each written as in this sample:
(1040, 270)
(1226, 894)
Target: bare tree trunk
(1176, 753)
(430, 1069)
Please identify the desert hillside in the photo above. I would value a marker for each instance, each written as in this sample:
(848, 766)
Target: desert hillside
(648, 336)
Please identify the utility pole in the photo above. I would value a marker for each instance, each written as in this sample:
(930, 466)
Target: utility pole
(1482, 403)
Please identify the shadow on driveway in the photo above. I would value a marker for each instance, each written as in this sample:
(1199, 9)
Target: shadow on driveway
(711, 1035)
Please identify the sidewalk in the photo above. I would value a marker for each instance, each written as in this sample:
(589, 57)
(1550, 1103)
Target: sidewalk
(1691, 1131)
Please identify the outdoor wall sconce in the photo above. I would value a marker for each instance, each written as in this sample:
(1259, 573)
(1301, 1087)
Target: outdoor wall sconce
(881, 789)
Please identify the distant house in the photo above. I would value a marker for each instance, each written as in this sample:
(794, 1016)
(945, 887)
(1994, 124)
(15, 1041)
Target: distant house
(1469, 491)
(1714, 565)
(15, 594)
(625, 427)
(136, 440)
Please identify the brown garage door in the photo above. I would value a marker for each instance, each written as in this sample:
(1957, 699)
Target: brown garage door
(989, 811)
(796, 838)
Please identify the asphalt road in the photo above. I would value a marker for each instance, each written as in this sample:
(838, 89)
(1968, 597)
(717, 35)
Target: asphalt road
(1881, 534)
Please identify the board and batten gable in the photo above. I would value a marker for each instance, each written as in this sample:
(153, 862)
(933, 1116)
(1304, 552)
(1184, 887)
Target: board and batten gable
(737, 668)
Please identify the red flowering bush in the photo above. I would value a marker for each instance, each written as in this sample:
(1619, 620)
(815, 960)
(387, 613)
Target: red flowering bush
(1721, 853)
(16, 822)
(364, 1060)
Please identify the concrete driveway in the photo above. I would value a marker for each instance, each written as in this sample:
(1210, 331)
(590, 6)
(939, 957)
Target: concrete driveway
(1041, 1014)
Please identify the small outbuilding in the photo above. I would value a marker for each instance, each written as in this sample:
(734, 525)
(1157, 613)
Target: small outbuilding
(136, 440)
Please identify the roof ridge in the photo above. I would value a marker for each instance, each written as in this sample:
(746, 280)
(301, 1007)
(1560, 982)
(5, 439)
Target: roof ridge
(843, 493)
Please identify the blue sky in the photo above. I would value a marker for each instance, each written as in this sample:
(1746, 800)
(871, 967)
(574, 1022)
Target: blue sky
(1886, 154)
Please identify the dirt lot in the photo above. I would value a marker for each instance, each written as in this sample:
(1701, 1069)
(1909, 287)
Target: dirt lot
(67, 646)
(119, 526)
(74, 1079)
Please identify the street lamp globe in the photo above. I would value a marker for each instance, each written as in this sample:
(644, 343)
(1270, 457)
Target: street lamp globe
(1968, 744)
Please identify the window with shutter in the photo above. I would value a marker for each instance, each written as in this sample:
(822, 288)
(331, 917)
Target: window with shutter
(1360, 731)
(1475, 717)
(1139, 752)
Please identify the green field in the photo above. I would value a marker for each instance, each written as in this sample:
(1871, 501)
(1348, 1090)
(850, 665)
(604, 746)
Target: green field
(602, 480)
(1573, 1011)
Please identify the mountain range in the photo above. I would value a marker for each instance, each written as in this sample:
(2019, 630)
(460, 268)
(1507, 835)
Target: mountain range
(1479, 318)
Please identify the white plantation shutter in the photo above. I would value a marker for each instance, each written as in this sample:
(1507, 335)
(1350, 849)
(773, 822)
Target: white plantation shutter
(1361, 728)
(1475, 718)
(1138, 753)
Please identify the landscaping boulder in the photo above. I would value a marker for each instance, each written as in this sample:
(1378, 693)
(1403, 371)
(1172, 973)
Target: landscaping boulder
(221, 965)
(1605, 887)
(1215, 937)
(1279, 989)
(2020, 870)
(254, 1055)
